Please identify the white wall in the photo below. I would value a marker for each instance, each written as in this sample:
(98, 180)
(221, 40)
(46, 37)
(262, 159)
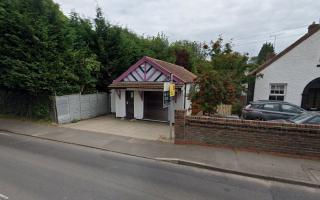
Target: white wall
(138, 105)
(296, 68)
(183, 101)
(188, 102)
(178, 104)
(113, 102)
(120, 103)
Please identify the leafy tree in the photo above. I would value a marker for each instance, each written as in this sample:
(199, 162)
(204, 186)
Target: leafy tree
(265, 53)
(129, 51)
(118, 48)
(187, 54)
(43, 51)
(212, 89)
(86, 66)
(33, 47)
(158, 47)
(222, 76)
(101, 46)
(229, 62)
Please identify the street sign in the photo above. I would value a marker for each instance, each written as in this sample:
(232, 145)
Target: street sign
(172, 89)
(166, 99)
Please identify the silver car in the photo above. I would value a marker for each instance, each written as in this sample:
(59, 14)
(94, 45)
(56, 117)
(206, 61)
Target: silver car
(305, 118)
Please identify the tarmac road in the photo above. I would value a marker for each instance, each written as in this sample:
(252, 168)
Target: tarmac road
(35, 169)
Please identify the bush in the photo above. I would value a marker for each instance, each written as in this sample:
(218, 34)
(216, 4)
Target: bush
(21, 104)
(237, 108)
(212, 89)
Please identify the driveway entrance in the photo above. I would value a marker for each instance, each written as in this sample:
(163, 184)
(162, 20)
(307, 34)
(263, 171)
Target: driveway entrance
(123, 127)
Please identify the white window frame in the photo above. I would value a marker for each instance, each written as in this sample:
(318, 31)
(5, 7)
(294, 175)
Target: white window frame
(277, 89)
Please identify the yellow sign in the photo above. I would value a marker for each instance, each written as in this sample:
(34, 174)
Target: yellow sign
(172, 90)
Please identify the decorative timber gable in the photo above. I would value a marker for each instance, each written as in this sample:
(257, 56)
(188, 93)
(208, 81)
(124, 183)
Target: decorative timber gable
(147, 70)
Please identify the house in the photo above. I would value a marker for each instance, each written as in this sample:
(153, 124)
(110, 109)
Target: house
(138, 92)
(294, 74)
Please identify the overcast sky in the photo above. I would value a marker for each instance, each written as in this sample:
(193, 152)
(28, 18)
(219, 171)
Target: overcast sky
(249, 23)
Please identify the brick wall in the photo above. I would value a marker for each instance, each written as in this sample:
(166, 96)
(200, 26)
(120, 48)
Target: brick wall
(288, 139)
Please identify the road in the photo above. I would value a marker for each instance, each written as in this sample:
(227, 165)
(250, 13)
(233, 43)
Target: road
(34, 169)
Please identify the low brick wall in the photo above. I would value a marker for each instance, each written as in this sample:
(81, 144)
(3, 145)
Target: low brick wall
(286, 139)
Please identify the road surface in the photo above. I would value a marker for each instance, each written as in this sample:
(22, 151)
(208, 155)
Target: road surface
(34, 169)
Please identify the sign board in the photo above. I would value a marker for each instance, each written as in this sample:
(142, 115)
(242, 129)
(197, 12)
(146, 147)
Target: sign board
(172, 90)
(166, 99)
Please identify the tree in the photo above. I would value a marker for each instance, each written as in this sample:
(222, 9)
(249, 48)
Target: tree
(229, 63)
(158, 47)
(33, 47)
(266, 52)
(82, 58)
(43, 51)
(222, 76)
(212, 89)
(187, 54)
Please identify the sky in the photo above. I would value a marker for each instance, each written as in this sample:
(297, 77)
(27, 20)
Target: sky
(247, 23)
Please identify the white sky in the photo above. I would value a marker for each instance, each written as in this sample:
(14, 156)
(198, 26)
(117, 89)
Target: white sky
(249, 23)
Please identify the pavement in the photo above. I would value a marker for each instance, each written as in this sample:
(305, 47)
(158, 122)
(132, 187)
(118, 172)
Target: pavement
(110, 125)
(258, 165)
(37, 169)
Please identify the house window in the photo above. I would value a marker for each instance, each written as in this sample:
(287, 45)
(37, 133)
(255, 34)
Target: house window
(277, 91)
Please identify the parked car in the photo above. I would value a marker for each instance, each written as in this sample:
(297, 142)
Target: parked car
(305, 118)
(270, 110)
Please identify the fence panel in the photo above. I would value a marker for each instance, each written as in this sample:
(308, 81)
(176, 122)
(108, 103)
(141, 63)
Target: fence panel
(85, 106)
(62, 107)
(104, 104)
(76, 106)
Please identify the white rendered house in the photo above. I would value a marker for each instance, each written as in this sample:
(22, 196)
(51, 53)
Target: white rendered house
(294, 74)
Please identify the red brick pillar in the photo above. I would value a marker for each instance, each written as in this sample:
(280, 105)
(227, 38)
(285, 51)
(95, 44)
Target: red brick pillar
(179, 126)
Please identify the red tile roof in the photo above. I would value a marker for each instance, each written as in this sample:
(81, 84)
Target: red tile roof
(178, 71)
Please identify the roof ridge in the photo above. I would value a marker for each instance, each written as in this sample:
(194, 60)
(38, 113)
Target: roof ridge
(178, 71)
(285, 51)
(171, 64)
(167, 62)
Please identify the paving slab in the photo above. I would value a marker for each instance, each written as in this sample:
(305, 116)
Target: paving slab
(131, 128)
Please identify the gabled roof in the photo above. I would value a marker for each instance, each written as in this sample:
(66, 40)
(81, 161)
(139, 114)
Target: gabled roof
(179, 71)
(180, 74)
(285, 51)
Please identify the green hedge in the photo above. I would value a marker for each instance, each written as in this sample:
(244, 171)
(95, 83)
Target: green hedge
(26, 105)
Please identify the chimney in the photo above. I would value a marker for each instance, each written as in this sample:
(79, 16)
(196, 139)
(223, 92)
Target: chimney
(313, 27)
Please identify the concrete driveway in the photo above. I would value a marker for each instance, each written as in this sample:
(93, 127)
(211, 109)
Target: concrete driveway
(131, 128)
